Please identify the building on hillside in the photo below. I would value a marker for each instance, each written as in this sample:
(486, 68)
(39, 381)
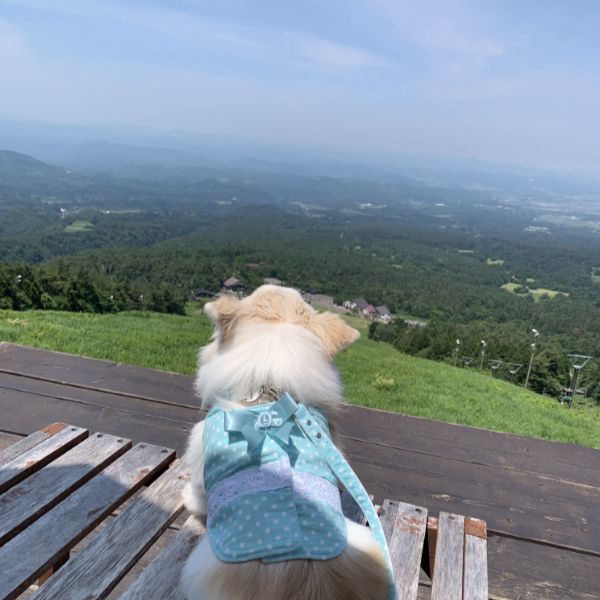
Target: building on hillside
(272, 281)
(322, 300)
(253, 265)
(233, 284)
(383, 314)
(356, 305)
(199, 293)
(369, 311)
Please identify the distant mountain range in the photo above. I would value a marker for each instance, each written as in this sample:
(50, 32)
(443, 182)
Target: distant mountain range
(15, 164)
(147, 154)
(105, 155)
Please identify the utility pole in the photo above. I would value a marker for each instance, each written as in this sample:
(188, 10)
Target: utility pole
(456, 352)
(483, 346)
(536, 333)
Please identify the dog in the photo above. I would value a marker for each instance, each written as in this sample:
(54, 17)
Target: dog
(265, 345)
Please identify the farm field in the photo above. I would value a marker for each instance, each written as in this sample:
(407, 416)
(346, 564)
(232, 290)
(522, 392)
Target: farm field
(536, 293)
(374, 374)
(78, 226)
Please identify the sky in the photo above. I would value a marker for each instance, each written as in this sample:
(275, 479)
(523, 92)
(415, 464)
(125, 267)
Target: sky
(514, 81)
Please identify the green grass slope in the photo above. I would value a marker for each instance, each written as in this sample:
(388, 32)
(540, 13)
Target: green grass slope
(155, 340)
(374, 374)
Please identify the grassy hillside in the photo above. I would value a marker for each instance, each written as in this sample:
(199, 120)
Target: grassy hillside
(374, 374)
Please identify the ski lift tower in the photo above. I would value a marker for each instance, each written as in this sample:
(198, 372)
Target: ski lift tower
(483, 347)
(578, 361)
(456, 351)
(495, 365)
(513, 369)
(536, 334)
(466, 360)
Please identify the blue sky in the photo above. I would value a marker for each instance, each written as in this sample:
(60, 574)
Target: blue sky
(512, 81)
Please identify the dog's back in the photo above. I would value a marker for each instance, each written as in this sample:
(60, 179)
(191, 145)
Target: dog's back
(273, 339)
(359, 573)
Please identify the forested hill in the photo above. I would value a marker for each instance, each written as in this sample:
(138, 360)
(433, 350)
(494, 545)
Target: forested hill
(475, 264)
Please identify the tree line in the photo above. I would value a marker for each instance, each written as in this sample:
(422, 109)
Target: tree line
(509, 343)
(61, 286)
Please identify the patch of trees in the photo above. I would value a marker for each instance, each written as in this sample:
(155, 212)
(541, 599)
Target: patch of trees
(63, 287)
(506, 342)
(424, 252)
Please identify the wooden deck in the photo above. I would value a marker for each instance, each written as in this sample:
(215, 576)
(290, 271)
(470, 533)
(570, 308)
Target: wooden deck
(539, 499)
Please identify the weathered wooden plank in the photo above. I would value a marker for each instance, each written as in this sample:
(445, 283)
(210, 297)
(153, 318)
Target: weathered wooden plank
(24, 412)
(424, 592)
(161, 543)
(95, 571)
(26, 501)
(120, 378)
(475, 579)
(514, 504)
(472, 445)
(98, 397)
(35, 550)
(522, 570)
(406, 546)
(22, 445)
(160, 579)
(475, 582)
(387, 516)
(43, 453)
(447, 581)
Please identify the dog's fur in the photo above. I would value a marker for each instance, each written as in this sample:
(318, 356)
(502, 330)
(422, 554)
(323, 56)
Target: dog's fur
(273, 340)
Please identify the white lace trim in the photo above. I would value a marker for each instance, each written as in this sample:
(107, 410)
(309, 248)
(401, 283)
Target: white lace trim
(272, 476)
(313, 488)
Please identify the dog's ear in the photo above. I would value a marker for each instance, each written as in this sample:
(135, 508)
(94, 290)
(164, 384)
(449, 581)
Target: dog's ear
(223, 313)
(334, 332)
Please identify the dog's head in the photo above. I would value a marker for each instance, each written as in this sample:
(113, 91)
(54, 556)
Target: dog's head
(273, 336)
(271, 304)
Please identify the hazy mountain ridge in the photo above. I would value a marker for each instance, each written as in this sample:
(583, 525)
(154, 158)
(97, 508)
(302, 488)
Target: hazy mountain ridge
(13, 164)
(126, 150)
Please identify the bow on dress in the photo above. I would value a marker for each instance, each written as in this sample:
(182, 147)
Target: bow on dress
(276, 421)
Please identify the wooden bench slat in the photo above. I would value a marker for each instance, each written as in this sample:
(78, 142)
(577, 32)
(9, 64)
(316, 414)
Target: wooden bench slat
(475, 582)
(27, 443)
(387, 516)
(96, 570)
(26, 501)
(406, 545)
(40, 455)
(36, 549)
(448, 573)
(160, 579)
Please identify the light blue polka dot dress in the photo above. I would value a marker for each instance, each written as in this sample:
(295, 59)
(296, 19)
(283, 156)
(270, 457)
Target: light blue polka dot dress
(277, 502)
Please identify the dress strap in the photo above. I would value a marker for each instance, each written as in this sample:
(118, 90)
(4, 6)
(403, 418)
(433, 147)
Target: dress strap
(348, 478)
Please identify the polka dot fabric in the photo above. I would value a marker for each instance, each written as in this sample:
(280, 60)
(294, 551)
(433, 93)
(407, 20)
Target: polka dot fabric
(282, 522)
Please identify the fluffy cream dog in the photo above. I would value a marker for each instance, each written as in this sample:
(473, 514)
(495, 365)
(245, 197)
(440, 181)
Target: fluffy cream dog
(266, 344)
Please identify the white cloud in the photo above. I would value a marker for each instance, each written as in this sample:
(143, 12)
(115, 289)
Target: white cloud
(332, 54)
(203, 32)
(449, 31)
(13, 47)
